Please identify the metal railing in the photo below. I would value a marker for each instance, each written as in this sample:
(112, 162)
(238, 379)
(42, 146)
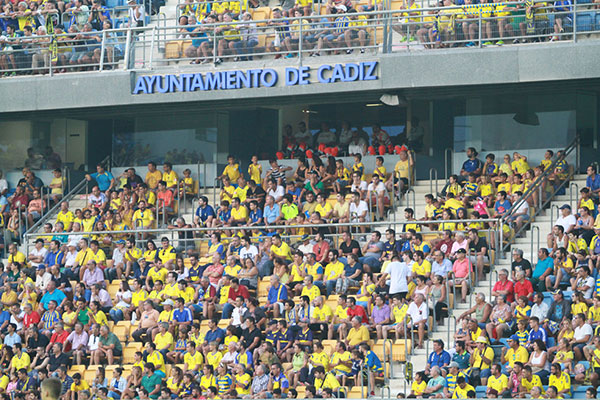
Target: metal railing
(297, 37)
(538, 183)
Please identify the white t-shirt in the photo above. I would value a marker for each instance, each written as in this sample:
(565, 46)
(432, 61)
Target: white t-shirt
(117, 256)
(589, 281)
(581, 331)
(358, 210)
(379, 188)
(277, 193)
(566, 222)
(41, 252)
(417, 314)
(523, 208)
(70, 258)
(250, 252)
(3, 185)
(398, 272)
(13, 320)
(361, 186)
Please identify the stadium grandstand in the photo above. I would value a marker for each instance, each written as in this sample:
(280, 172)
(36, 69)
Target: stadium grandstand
(254, 199)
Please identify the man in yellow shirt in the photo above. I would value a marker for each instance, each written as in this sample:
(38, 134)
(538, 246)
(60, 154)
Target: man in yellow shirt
(515, 353)
(169, 176)
(560, 380)
(167, 254)
(192, 359)
(333, 271)
(325, 380)
(323, 207)
(482, 358)
(142, 217)
(529, 381)
(15, 256)
(153, 176)
(280, 248)
(65, 216)
(497, 381)
(310, 290)
(232, 169)
(463, 389)
(239, 213)
(357, 334)
(164, 339)
(402, 171)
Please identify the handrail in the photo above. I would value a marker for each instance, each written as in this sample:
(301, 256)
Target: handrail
(66, 197)
(431, 180)
(447, 150)
(536, 229)
(540, 179)
(284, 227)
(552, 207)
(574, 207)
(537, 183)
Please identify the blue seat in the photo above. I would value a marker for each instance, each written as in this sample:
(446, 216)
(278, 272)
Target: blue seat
(584, 1)
(585, 21)
(579, 393)
(597, 27)
(586, 364)
(504, 341)
(479, 389)
(547, 300)
(112, 3)
(551, 341)
(569, 293)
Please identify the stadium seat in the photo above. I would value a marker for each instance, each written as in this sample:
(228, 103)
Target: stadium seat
(355, 392)
(400, 348)
(579, 392)
(262, 287)
(122, 332)
(89, 375)
(597, 21)
(585, 21)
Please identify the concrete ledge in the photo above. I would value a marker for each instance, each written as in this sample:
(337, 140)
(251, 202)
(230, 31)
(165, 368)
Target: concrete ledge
(400, 70)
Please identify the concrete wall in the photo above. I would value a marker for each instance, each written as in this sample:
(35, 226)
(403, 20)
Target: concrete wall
(419, 69)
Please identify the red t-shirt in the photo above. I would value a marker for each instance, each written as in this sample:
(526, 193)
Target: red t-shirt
(31, 319)
(165, 198)
(358, 311)
(320, 250)
(242, 291)
(508, 285)
(59, 338)
(523, 289)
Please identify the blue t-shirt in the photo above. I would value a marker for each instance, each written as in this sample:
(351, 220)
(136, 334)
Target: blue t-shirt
(472, 165)
(212, 336)
(256, 215)
(204, 213)
(349, 270)
(278, 294)
(540, 334)
(502, 206)
(439, 360)
(103, 180)
(592, 183)
(57, 296)
(182, 316)
(542, 266)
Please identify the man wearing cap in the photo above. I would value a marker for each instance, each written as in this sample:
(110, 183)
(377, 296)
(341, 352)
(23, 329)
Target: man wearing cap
(515, 353)
(451, 377)
(567, 220)
(438, 357)
(481, 359)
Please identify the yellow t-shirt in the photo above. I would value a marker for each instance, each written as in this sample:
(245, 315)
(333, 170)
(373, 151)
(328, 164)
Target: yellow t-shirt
(21, 362)
(164, 340)
(535, 382)
(334, 271)
(282, 251)
(402, 169)
(418, 388)
(336, 357)
(170, 178)
(512, 356)
(159, 274)
(240, 214)
(232, 171)
(357, 336)
(255, 172)
(142, 219)
(152, 178)
(478, 360)
(192, 361)
(313, 292)
(462, 393)
(214, 358)
(66, 219)
(83, 385)
(499, 384)
(323, 210)
(561, 383)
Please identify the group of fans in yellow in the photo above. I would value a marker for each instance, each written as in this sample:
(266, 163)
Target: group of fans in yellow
(253, 313)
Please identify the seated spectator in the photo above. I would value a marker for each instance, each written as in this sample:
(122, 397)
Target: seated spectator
(500, 319)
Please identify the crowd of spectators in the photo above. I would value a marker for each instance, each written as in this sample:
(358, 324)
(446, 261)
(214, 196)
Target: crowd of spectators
(78, 25)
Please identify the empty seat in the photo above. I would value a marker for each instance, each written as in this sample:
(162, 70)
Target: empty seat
(585, 21)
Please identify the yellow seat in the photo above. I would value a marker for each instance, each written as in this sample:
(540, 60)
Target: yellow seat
(89, 375)
(355, 393)
(76, 369)
(122, 332)
(400, 348)
(263, 288)
(129, 353)
(173, 49)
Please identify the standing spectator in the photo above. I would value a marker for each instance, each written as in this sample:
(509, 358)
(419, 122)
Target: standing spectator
(104, 179)
(419, 313)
